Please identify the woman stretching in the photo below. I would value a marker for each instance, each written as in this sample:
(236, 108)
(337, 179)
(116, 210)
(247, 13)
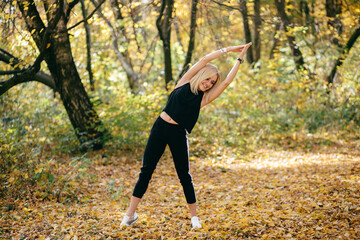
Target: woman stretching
(198, 87)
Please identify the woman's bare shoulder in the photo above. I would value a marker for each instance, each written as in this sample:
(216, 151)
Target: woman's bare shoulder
(182, 82)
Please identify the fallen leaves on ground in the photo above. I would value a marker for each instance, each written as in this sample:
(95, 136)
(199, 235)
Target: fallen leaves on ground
(269, 195)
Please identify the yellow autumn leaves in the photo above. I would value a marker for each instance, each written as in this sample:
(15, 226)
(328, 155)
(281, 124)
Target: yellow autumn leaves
(270, 194)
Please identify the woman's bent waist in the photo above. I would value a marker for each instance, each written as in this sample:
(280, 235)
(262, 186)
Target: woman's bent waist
(164, 116)
(170, 126)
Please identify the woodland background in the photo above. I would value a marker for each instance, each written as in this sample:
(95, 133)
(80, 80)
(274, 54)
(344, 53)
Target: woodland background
(276, 156)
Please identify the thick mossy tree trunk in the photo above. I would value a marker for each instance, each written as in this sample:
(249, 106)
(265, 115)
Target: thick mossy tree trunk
(59, 59)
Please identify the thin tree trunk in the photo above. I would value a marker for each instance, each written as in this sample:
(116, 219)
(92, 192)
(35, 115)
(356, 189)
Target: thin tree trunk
(133, 77)
(121, 33)
(275, 39)
(163, 24)
(88, 46)
(87, 125)
(191, 38)
(245, 17)
(344, 52)
(305, 13)
(307, 17)
(257, 27)
(298, 58)
(176, 27)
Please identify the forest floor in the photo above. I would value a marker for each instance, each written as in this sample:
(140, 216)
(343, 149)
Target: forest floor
(270, 194)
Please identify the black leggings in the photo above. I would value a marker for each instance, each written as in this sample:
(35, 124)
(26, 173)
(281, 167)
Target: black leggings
(162, 134)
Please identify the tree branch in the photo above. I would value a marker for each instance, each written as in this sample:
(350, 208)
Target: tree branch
(346, 49)
(70, 7)
(29, 73)
(225, 5)
(8, 54)
(12, 72)
(88, 17)
(38, 77)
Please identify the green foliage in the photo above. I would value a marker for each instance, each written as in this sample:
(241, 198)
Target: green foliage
(270, 105)
(129, 117)
(33, 127)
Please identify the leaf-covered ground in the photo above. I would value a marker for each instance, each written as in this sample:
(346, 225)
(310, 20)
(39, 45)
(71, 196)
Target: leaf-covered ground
(268, 195)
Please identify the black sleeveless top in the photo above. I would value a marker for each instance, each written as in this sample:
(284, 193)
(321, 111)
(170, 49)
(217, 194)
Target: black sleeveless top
(183, 106)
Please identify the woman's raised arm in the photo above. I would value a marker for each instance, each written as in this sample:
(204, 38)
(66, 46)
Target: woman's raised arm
(214, 92)
(208, 58)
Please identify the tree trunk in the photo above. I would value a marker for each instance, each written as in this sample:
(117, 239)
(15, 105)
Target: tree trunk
(177, 30)
(124, 58)
(257, 26)
(133, 81)
(305, 13)
(344, 52)
(333, 9)
(298, 58)
(245, 17)
(163, 24)
(307, 18)
(191, 39)
(88, 128)
(88, 46)
(275, 39)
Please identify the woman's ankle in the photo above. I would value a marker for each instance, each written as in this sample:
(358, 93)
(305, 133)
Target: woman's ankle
(130, 214)
(192, 208)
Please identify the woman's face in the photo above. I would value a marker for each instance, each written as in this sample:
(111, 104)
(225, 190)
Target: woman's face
(207, 83)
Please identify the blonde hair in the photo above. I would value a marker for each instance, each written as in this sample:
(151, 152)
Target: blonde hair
(207, 71)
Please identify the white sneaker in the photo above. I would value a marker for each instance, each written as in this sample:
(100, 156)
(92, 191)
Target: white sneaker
(195, 222)
(127, 221)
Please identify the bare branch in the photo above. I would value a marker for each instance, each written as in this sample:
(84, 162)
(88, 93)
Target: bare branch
(134, 29)
(225, 5)
(71, 6)
(152, 45)
(88, 17)
(8, 54)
